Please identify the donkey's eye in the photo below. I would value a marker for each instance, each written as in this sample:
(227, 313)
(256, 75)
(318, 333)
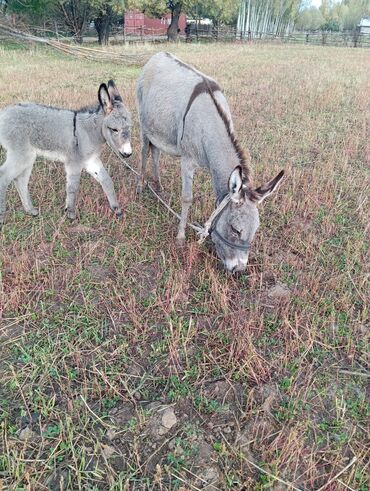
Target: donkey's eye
(235, 231)
(114, 130)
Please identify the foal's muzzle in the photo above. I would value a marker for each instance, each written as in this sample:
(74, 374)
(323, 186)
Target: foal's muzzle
(125, 154)
(126, 150)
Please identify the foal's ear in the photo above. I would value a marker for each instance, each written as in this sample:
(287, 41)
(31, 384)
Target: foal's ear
(113, 91)
(104, 99)
(265, 190)
(236, 183)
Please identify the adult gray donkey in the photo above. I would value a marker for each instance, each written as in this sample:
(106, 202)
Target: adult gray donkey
(75, 138)
(183, 112)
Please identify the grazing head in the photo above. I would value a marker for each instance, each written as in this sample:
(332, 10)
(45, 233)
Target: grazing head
(234, 228)
(117, 120)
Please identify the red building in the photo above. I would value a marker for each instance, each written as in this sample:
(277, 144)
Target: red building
(138, 23)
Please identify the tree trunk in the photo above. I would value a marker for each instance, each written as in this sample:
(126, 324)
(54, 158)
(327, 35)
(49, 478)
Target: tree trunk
(103, 24)
(75, 15)
(173, 28)
(78, 39)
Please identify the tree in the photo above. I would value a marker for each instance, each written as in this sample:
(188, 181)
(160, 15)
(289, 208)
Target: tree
(217, 10)
(76, 14)
(175, 9)
(267, 16)
(345, 14)
(353, 12)
(309, 19)
(103, 23)
(33, 10)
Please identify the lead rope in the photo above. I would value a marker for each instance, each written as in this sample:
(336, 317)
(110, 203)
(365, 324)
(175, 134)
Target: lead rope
(203, 232)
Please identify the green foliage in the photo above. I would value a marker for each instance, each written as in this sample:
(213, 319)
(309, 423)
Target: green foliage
(35, 10)
(217, 10)
(310, 19)
(333, 16)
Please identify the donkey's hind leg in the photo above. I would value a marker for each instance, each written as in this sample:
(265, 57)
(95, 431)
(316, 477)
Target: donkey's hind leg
(21, 183)
(156, 153)
(15, 164)
(142, 166)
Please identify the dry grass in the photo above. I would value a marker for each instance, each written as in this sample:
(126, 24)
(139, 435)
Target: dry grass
(102, 318)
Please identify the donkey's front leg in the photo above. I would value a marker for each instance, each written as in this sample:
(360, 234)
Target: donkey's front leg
(97, 170)
(73, 173)
(187, 174)
(142, 164)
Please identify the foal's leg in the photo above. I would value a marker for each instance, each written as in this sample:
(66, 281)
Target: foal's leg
(142, 166)
(97, 170)
(187, 174)
(16, 163)
(73, 173)
(156, 170)
(21, 183)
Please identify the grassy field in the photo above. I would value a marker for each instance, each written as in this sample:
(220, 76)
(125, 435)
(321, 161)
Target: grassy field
(129, 364)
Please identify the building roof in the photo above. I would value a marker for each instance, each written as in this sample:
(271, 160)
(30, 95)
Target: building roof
(365, 22)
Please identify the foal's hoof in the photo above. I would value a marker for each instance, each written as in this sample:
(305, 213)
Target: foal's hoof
(118, 213)
(71, 215)
(139, 188)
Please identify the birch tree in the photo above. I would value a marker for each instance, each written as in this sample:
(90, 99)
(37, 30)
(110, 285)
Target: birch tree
(267, 16)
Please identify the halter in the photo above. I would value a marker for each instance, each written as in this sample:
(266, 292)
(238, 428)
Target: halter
(210, 227)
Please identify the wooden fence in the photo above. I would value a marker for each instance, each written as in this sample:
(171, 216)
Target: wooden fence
(208, 33)
(324, 38)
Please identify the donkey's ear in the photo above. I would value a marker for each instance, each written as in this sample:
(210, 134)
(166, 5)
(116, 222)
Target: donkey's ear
(104, 99)
(265, 190)
(113, 91)
(236, 183)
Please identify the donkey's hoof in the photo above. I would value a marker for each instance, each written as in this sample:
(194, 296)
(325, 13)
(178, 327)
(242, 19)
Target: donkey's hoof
(139, 188)
(33, 212)
(157, 186)
(180, 241)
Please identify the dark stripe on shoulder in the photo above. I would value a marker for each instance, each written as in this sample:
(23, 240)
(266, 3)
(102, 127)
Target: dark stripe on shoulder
(211, 86)
(200, 88)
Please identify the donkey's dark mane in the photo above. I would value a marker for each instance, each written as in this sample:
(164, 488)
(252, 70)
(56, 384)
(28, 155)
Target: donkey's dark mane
(85, 109)
(210, 86)
(89, 109)
(238, 149)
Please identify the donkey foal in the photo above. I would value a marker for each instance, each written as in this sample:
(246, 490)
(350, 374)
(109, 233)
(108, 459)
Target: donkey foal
(75, 138)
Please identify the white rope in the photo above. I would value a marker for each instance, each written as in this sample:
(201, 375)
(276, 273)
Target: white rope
(203, 232)
(207, 226)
